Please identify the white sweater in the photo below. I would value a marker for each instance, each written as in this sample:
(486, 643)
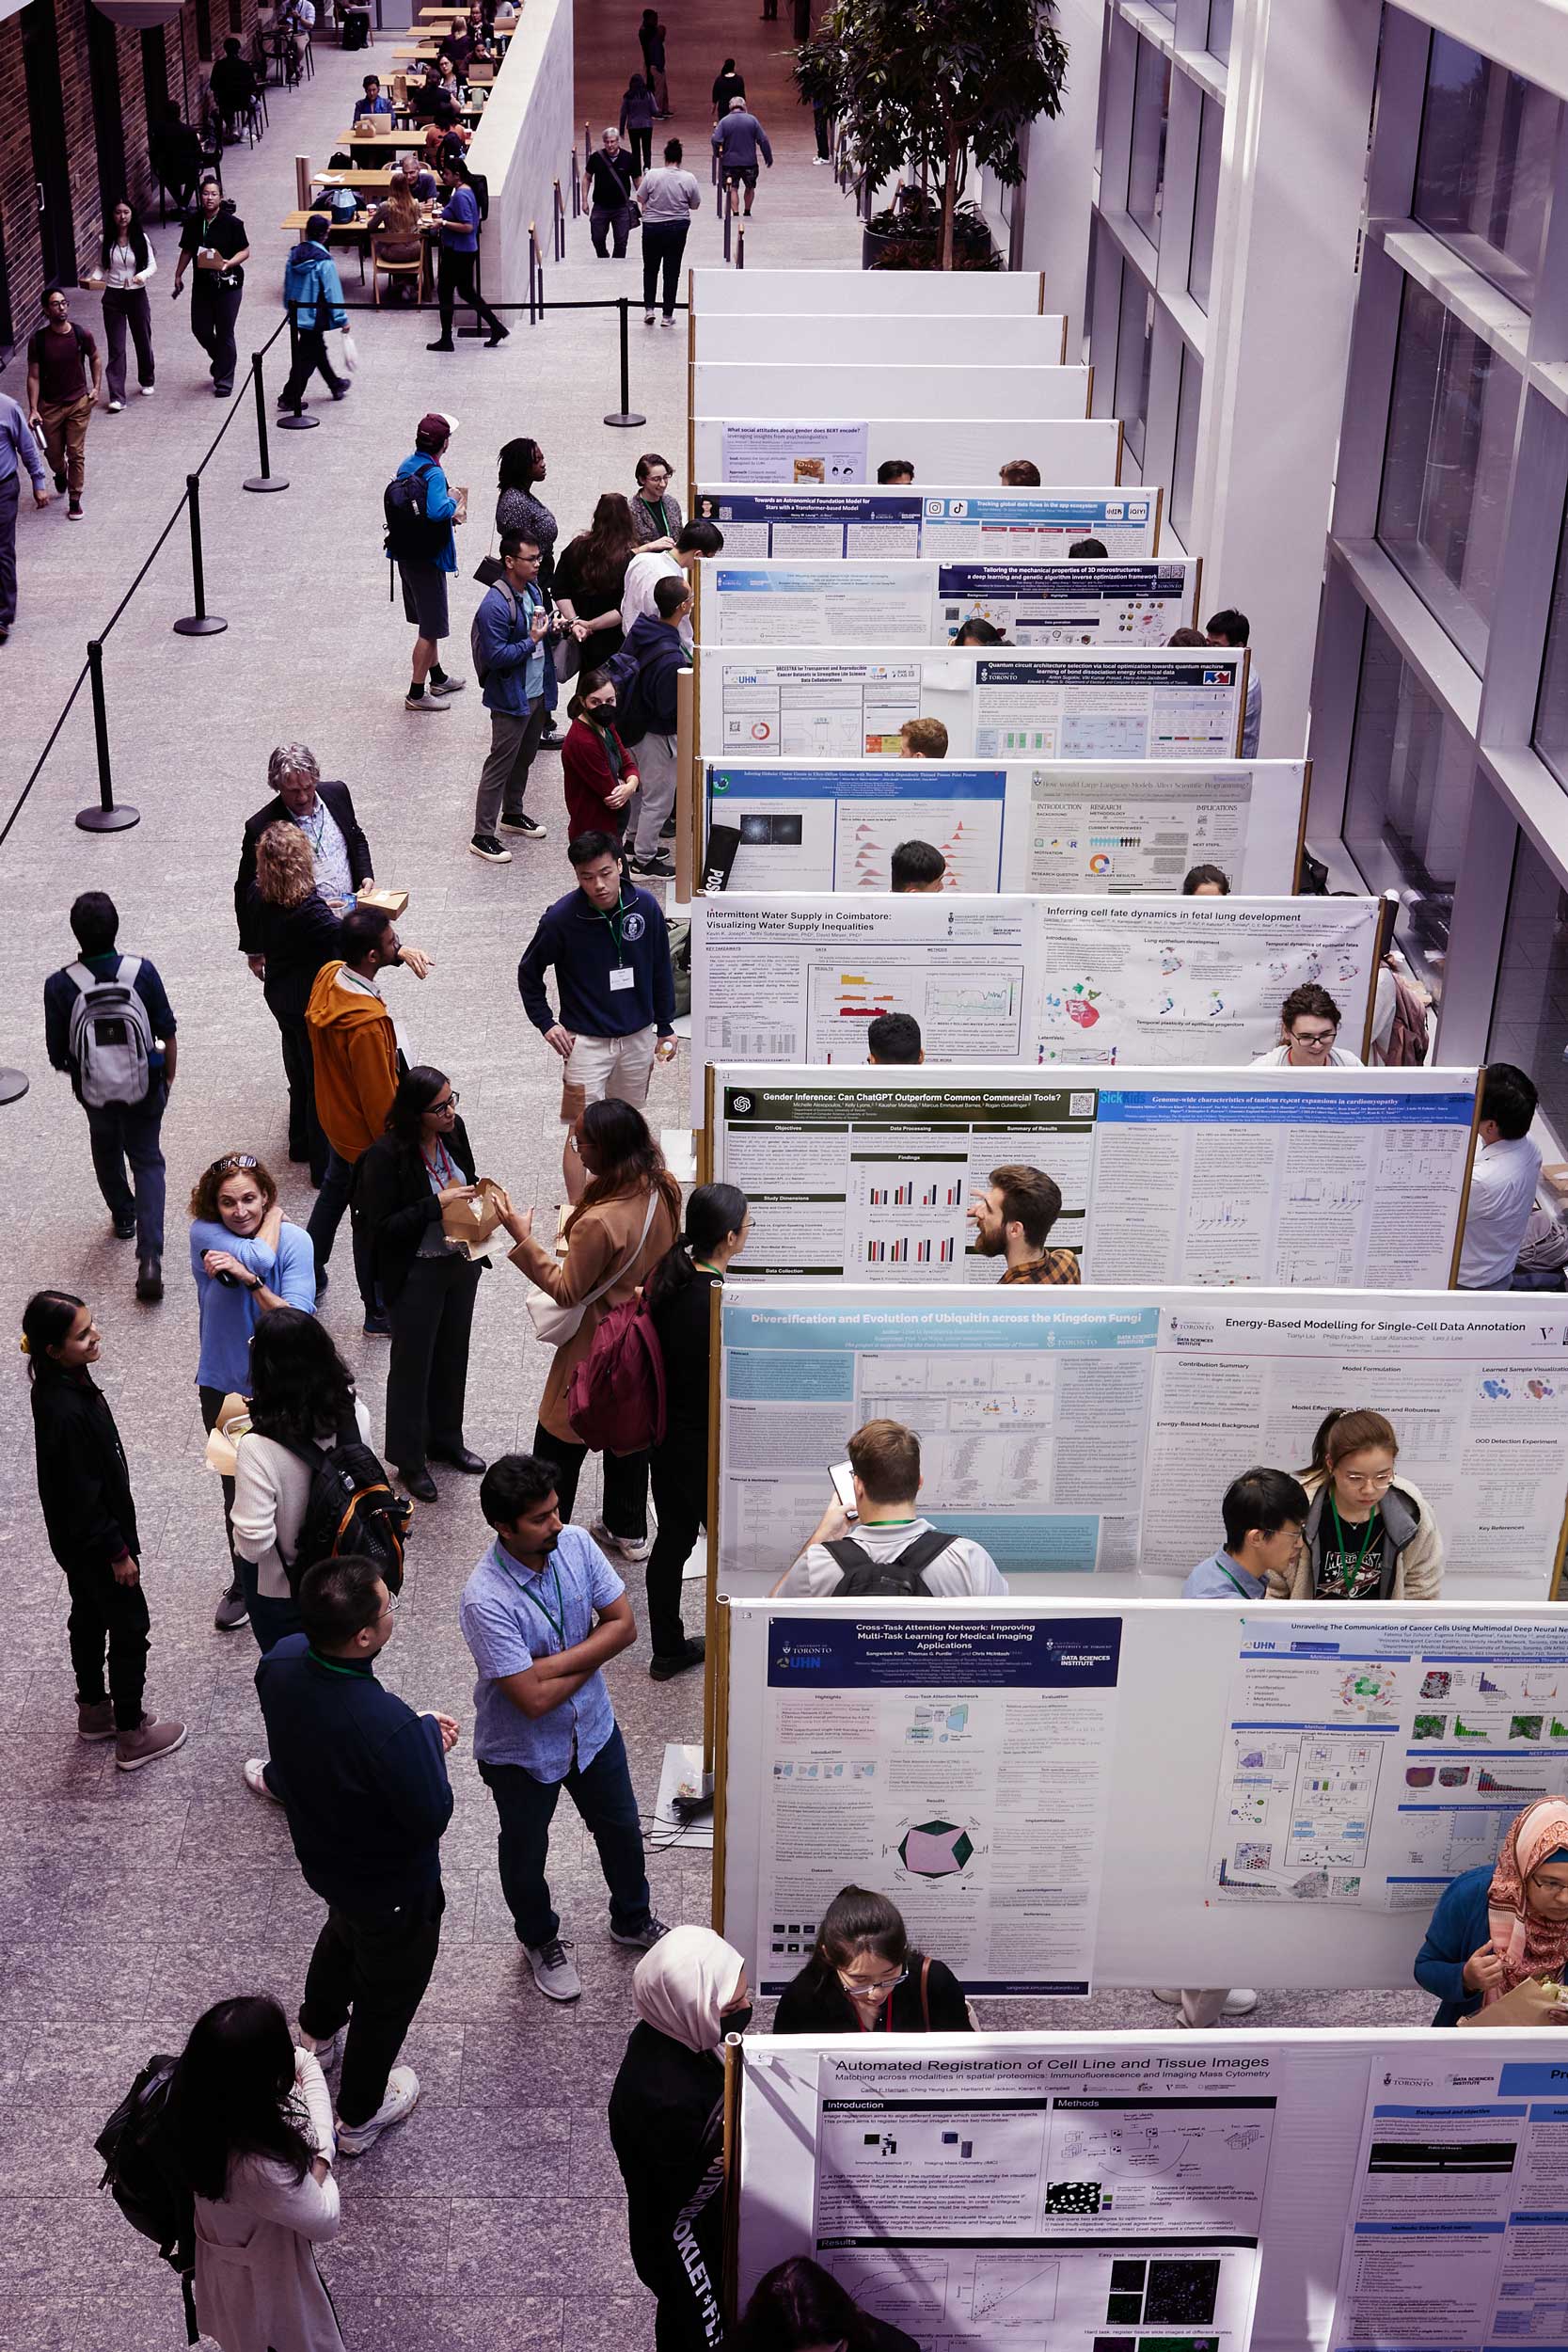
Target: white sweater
(271, 1493)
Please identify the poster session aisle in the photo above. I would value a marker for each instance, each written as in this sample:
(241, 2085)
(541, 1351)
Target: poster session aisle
(800, 520)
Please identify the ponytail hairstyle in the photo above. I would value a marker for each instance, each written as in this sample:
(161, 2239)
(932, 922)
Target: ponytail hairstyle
(46, 1322)
(712, 1214)
(1343, 1432)
(589, 682)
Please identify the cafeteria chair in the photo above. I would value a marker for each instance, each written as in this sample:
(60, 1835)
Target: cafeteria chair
(380, 267)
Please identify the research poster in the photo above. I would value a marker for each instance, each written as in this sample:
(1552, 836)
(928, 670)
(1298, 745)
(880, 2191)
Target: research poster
(1275, 1176)
(1060, 829)
(960, 1765)
(846, 601)
(1069, 604)
(1016, 528)
(794, 452)
(1107, 2203)
(1170, 709)
(1458, 2215)
(821, 708)
(784, 604)
(1369, 1767)
(1094, 1431)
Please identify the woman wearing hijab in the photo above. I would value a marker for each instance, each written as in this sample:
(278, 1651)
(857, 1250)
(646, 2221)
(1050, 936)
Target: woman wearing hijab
(666, 2122)
(1503, 1922)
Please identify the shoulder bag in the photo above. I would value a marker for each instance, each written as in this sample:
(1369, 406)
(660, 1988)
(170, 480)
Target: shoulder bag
(555, 1323)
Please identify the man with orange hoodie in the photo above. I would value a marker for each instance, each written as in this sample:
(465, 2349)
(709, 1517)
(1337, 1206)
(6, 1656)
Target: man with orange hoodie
(355, 1049)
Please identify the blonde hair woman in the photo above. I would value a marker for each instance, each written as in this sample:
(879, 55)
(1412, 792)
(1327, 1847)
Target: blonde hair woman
(299, 932)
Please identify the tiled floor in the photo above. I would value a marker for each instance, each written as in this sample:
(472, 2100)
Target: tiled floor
(129, 1903)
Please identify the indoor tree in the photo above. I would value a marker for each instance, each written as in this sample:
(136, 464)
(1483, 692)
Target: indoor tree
(929, 82)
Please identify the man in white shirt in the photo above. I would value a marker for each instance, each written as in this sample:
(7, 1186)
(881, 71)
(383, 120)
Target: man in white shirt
(884, 1460)
(649, 566)
(1502, 1183)
(1232, 629)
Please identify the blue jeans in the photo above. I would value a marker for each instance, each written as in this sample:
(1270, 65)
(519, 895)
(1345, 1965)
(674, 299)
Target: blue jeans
(603, 1794)
(129, 1131)
(325, 1217)
(270, 1619)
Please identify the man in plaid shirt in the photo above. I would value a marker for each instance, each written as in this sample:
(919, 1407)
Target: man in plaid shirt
(1013, 1220)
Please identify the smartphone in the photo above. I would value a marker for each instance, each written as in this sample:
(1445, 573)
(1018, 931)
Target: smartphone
(844, 1486)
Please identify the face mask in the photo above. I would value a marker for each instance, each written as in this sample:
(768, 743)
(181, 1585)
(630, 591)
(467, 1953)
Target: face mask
(601, 714)
(736, 2020)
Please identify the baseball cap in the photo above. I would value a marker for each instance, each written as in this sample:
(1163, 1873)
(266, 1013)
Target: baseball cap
(433, 426)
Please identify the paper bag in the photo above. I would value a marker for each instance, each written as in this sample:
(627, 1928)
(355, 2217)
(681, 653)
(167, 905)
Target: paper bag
(474, 1226)
(1538, 2002)
(232, 1422)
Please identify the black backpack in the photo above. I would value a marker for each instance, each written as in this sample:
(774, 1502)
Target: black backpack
(411, 536)
(902, 1577)
(143, 2175)
(352, 1510)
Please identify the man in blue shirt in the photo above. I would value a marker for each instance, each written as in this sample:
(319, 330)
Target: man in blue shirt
(543, 1613)
(313, 300)
(423, 576)
(17, 449)
(372, 103)
(125, 1127)
(1264, 1512)
(454, 275)
(510, 630)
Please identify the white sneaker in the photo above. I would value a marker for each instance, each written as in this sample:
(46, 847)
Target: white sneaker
(255, 1780)
(147, 390)
(326, 2054)
(427, 703)
(553, 1973)
(1164, 1992)
(633, 1547)
(402, 2095)
(1241, 2003)
(115, 407)
(647, 318)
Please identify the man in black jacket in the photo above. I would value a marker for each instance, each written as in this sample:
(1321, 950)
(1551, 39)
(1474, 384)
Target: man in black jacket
(609, 178)
(363, 1780)
(324, 814)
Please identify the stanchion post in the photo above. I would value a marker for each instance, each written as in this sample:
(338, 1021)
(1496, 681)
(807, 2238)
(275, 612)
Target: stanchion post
(109, 815)
(587, 143)
(559, 225)
(266, 479)
(729, 223)
(740, 247)
(200, 623)
(627, 414)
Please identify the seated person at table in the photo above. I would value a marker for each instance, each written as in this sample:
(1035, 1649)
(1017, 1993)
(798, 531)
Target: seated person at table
(862, 1978)
(233, 85)
(800, 2307)
(395, 226)
(1369, 1536)
(372, 103)
(893, 473)
(459, 43)
(1264, 1512)
(427, 95)
(1205, 882)
(923, 738)
(887, 1549)
(892, 1041)
(917, 868)
(421, 183)
(1502, 1923)
(1308, 1028)
(1013, 1220)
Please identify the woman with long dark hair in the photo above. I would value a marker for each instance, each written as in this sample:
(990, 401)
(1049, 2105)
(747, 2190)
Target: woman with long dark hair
(800, 2307)
(727, 83)
(627, 1218)
(250, 2122)
(598, 774)
(297, 931)
(302, 1394)
(591, 576)
(864, 1976)
(90, 1514)
(638, 114)
(678, 1295)
(126, 263)
(407, 1180)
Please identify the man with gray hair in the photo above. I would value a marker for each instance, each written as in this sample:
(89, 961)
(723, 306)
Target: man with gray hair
(609, 178)
(738, 142)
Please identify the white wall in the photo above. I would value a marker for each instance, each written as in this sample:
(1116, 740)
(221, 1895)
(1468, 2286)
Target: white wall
(524, 144)
(1061, 171)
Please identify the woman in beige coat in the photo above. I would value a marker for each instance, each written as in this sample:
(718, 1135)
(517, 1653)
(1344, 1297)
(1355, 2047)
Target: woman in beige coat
(627, 1219)
(1368, 1535)
(252, 2123)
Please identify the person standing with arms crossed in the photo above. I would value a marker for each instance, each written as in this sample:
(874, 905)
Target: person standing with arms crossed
(666, 200)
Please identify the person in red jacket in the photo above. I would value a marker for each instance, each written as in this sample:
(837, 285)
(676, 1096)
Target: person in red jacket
(597, 771)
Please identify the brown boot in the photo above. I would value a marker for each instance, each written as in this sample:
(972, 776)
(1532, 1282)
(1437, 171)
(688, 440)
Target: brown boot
(147, 1743)
(96, 1721)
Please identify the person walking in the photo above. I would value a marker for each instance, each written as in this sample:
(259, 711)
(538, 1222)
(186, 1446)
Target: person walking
(90, 1514)
(19, 453)
(250, 2119)
(609, 179)
(590, 578)
(297, 931)
(510, 629)
(598, 775)
(64, 375)
(313, 301)
(454, 280)
(739, 140)
(638, 114)
(626, 1220)
(727, 83)
(107, 1023)
(407, 1179)
(363, 1780)
(424, 569)
(215, 240)
(543, 1614)
(126, 266)
(656, 511)
(666, 200)
(649, 718)
(678, 1297)
(650, 39)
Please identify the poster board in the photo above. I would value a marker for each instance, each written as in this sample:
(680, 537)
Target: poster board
(774, 602)
(815, 336)
(1091, 702)
(841, 386)
(1152, 981)
(1160, 1686)
(1091, 1433)
(806, 519)
(857, 293)
(1053, 826)
(1271, 1177)
(1352, 2128)
(837, 450)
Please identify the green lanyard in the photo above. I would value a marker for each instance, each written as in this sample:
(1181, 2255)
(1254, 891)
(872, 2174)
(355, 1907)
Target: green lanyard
(663, 517)
(703, 1267)
(612, 924)
(355, 1672)
(1373, 1524)
(557, 1625)
(1240, 1587)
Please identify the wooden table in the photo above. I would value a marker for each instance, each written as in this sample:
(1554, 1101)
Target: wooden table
(362, 182)
(358, 232)
(387, 143)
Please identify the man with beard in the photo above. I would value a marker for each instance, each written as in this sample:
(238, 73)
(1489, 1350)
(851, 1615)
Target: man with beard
(1013, 1220)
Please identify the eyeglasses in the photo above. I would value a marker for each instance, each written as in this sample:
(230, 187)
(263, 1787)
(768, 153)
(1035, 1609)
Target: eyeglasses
(1366, 1478)
(1310, 1037)
(233, 1164)
(877, 1984)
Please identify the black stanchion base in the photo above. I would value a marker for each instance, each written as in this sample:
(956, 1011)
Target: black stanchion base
(117, 819)
(632, 419)
(266, 482)
(294, 425)
(13, 1085)
(200, 624)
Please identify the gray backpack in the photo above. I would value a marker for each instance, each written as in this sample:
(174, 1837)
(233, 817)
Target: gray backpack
(111, 1037)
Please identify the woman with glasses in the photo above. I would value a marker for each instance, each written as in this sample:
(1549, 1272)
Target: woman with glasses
(1309, 1034)
(1370, 1535)
(862, 1977)
(247, 1258)
(800, 2307)
(409, 1177)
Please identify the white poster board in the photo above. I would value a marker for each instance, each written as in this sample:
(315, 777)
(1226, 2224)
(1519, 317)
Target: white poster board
(842, 387)
(779, 603)
(1092, 1433)
(958, 294)
(1089, 703)
(829, 450)
(1057, 827)
(1152, 981)
(815, 336)
(1257, 1177)
(805, 520)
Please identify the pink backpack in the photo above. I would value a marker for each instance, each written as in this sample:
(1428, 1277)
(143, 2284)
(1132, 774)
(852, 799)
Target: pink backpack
(616, 1400)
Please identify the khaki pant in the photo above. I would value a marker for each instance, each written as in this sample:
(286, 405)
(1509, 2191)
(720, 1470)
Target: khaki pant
(65, 438)
(614, 1069)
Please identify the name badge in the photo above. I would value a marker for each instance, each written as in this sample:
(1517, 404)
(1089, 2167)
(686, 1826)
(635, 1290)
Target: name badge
(622, 976)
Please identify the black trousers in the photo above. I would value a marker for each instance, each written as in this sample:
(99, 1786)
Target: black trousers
(679, 1478)
(212, 1403)
(333, 1199)
(626, 1482)
(663, 243)
(214, 309)
(105, 1616)
(604, 223)
(309, 358)
(641, 147)
(427, 1375)
(306, 1139)
(371, 1973)
(454, 283)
